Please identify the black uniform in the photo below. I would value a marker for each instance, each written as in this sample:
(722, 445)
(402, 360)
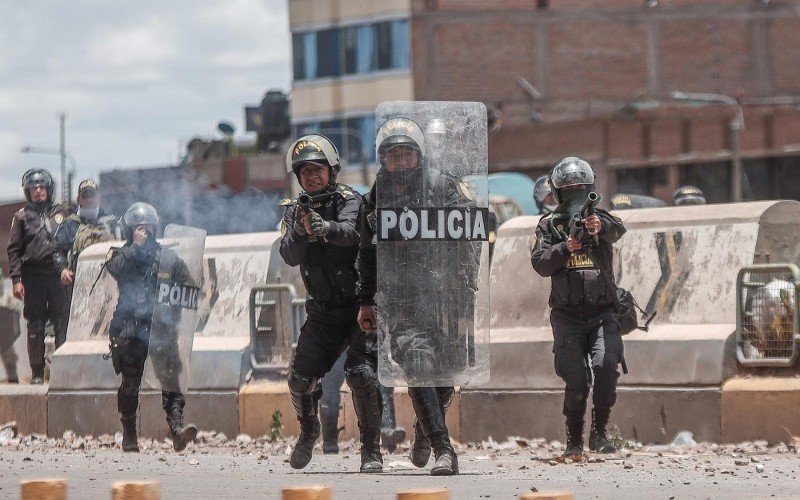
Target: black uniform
(30, 258)
(582, 299)
(417, 337)
(136, 269)
(327, 266)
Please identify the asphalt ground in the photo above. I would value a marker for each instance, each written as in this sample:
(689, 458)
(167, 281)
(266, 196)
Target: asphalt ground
(499, 471)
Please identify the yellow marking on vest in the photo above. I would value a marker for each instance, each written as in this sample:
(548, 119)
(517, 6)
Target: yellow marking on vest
(579, 261)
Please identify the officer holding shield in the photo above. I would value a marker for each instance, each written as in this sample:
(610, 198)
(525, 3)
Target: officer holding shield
(414, 315)
(587, 340)
(138, 268)
(320, 235)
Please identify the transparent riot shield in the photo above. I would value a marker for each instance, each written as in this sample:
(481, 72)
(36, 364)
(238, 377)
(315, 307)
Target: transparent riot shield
(432, 244)
(175, 312)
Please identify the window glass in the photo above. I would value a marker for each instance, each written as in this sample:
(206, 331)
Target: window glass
(368, 136)
(713, 179)
(384, 41)
(400, 44)
(788, 171)
(298, 56)
(328, 53)
(310, 54)
(350, 49)
(757, 181)
(367, 52)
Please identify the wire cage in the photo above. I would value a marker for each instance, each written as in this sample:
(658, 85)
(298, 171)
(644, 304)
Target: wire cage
(767, 328)
(276, 315)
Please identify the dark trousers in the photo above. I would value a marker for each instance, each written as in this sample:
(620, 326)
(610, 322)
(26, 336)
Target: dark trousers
(45, 300)
(130, 355)
(587, 348)
(326, 334)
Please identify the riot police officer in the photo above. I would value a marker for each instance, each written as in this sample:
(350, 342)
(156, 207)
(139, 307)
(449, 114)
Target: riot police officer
(90, 225)
(30, 258)
(136, 268)
(405, 182)
(688, 195)
(321, 236)
(543, 195)
(582, 298)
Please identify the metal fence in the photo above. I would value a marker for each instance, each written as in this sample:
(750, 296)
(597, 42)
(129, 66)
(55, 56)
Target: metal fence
(276, 315)
(767, 322)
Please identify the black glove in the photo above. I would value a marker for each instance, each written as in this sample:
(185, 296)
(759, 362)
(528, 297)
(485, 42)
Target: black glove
(318, 226)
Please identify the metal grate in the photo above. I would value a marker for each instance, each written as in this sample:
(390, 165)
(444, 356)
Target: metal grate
(767, 332)
(276, 315)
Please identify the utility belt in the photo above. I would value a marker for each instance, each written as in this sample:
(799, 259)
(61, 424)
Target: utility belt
(335, 287)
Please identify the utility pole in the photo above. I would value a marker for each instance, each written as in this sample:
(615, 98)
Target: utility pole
(62, 151)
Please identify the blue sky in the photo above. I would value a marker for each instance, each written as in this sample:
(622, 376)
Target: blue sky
(137, 80)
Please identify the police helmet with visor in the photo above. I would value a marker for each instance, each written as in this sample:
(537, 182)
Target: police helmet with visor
(139, 214)
(315, 149)
(37, 177)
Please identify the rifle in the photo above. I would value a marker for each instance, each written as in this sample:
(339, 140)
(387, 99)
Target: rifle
(578, 229)
(305, 200)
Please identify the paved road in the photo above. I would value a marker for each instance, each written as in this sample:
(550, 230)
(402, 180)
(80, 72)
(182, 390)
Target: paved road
(217, 473)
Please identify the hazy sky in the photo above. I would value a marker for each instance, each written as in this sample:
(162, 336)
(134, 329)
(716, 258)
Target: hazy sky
(136, 79)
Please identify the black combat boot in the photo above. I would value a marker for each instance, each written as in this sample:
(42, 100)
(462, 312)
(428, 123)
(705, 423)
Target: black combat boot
(430, 421)
(130, 441)
(305, 405)
(420, 447)
(367, 404)
(36, 351)
(598, 440)
(574, 440)
(391, 435)
(330, 431)
(182, 435)
(37, 375)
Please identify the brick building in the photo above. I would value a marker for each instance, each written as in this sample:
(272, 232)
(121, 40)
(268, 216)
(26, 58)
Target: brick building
(587, 77)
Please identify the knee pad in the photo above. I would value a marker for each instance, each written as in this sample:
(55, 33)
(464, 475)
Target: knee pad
(299, 384)
(576, 381)
(360, 376)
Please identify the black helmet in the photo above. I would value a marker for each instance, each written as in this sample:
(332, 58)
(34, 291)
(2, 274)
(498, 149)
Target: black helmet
(541, 188)
(139, 214)
(569, 172)
(397, 132)
(316, 149)
(688, 195)
(36, 177)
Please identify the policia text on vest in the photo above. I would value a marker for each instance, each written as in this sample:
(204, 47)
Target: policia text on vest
(445, 224)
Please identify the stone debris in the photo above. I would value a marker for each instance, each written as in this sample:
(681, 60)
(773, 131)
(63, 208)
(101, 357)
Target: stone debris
(8, 432)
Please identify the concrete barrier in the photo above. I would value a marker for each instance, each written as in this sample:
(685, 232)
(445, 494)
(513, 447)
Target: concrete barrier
(761, 408)
(258, 401)
(681, 262)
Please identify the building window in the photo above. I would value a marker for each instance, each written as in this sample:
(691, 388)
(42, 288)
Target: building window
(328, 53)
(353, 137)
(713, 179)
(642, 181)
(298, 56)
(351, 50)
